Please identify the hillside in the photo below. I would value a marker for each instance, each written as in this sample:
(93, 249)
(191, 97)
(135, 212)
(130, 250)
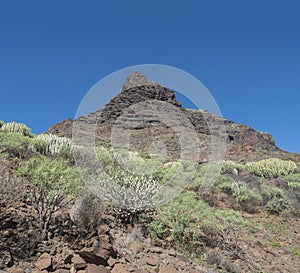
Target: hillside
(113, 192)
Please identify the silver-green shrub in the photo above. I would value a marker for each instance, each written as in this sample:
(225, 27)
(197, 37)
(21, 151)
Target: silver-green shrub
(271, 167)
(54, 143)
(14, 127)
(133, 194)
(231, 167)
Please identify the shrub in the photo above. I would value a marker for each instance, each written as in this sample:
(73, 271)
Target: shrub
(50, 183)
(1, 123)
(87, 211)
(129, 193)
(293, 180)
(55, 144)
(231, 167)
(225, 183)
(132, 194)
(14, 127)
(277, 205)
(186, 216)
(158, 230)
(206, 176)
(15, 145)
(275, 199)
(249, 199)
(270, 192)
(272, 167)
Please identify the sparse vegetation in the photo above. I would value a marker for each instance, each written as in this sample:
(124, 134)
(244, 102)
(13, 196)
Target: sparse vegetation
(51, 183)
(208, 226)
(187, 219)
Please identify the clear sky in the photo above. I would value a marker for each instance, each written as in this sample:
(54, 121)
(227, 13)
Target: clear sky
(247, 54)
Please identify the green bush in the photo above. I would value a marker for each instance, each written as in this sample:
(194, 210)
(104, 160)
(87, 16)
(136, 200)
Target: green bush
(158, 230)
(15, 145)
(225, 183)
(51, 183)
(206, 176)
(1, 123)
(231, 167)
(186, 216)
(272, 167)
(270, 192)
(275, 199)
(249, 199)
(293, 180)
(277, 205)
(14, 127)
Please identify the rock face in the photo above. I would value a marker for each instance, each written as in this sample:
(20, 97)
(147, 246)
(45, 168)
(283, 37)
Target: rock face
(129, 105)
(136, 79)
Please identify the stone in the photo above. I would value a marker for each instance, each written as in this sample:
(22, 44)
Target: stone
(120, 268)
(111, 261)
(91, 268)
(167, 269)
(172, 252)
(16, 270)
(156, 249)
(152, 261)
(78, 262)
(92, 258)
(104, 229)
(44, 261)
(62, 271)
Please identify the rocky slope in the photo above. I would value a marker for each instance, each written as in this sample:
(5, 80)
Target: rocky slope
(242, 142)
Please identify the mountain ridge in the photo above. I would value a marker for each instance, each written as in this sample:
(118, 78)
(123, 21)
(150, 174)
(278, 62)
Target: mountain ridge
(243, 142)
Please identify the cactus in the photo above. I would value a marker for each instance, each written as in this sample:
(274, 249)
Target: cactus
(54, 143)
(14, 127)
(271, 167)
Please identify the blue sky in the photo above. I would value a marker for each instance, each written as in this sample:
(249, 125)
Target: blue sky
(247, 54)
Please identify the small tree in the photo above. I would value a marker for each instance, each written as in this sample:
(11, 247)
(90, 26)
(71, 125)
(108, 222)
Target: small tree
(52, 184)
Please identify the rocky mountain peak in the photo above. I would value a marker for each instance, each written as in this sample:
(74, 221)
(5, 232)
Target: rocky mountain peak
(136, 79)
(242, 141)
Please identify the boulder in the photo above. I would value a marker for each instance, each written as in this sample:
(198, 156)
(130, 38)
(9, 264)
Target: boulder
(44, 261)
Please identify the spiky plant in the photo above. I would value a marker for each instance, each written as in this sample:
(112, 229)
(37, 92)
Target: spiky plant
(14, 127)
(54, 143)
(271, 167)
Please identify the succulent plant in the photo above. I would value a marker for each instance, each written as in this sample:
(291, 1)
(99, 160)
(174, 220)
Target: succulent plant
(54, 143)
(271, 167)
(14, 127)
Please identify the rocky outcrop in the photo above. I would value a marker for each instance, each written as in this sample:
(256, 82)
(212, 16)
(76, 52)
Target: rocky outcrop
(242, 141)
(136, 79)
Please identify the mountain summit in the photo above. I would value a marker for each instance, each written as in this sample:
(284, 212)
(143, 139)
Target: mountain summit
(131, 105)
(136, 79)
